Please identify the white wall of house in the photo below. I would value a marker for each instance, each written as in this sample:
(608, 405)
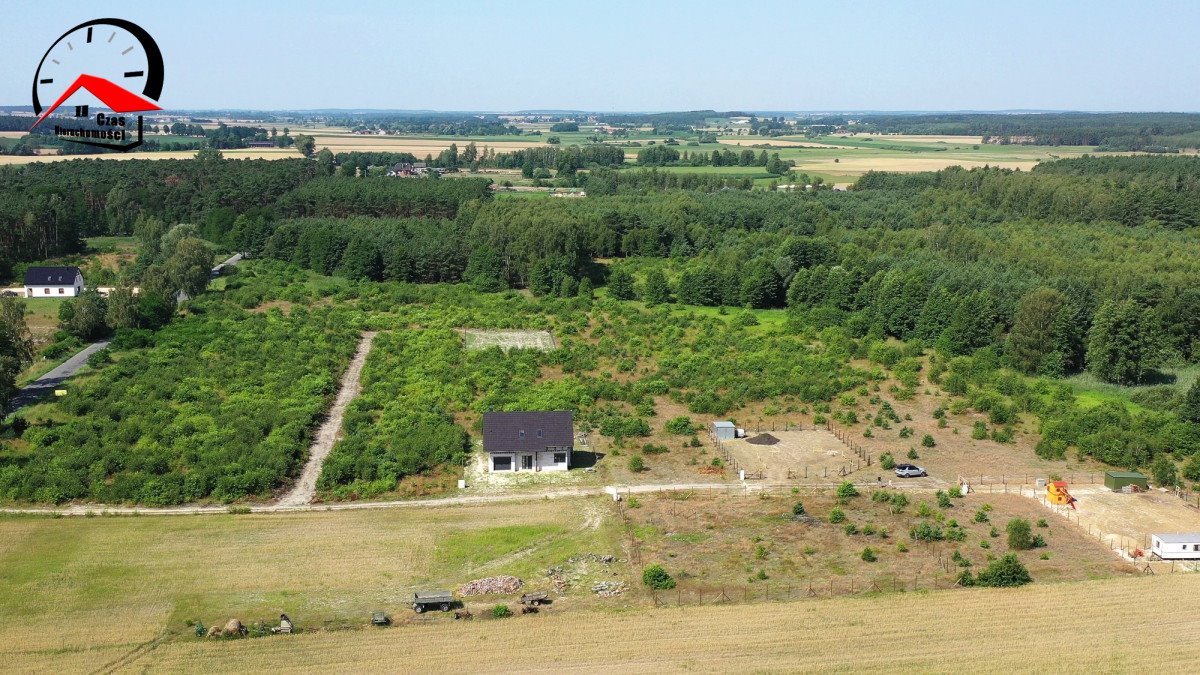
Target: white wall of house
(542, 460)
(1175, 550)
(53, 291)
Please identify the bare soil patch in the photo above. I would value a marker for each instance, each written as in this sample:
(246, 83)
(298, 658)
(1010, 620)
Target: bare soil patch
(795, 456)
(474, 339)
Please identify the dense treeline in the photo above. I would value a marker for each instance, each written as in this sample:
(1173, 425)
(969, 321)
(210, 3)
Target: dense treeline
(338, 197)
(413, 250)
(440, 124)
(46, 209)
(1112, 131)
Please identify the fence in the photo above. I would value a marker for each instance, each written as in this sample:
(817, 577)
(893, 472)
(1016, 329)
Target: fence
(865, 458)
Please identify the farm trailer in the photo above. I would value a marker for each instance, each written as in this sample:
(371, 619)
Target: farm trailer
(442, 600)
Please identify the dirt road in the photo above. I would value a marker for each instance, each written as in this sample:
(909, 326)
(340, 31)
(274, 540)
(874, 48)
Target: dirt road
(327, 435)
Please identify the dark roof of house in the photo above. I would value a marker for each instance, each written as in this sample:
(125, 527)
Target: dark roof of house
(50, 276)
(502, 431)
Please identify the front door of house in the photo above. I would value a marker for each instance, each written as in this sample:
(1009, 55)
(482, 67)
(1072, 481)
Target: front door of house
(527, 462)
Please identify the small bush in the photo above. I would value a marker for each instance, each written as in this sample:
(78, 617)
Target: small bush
(955, 492)
(1005, 572)
(681, 425)
(906, 432)
(1020, 537)
(760, 552)
(657, 578)
(881, 497)
(868, 555)
(943, 499)
(868, 529)
(634, 502)
(798, 509)
(981, 516)
(899, 502)
(927, 441)
(850, 529)
(912, 454)
(501, 611)
(979, 430)
(837, 515)
(926, 531)
(901, 547)
(651, 449)
(887, 462)
(846, 491)
(637, 464)
(1042, 523)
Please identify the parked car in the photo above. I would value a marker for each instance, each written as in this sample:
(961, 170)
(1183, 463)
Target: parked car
(909, 471)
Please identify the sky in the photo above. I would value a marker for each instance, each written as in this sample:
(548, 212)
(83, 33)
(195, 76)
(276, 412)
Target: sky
(616, 55)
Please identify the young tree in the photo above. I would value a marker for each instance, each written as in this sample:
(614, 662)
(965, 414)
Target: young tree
(1034, 335)
(306, 144)
(620, 284)
(84, 316)
(122, 309)
(1190, 410)
(190, 266)
(16, 346)
(585, 289)
(657, 291)
(1122, 345)
(1020, 534)
(1004, 572)
(1164, 471)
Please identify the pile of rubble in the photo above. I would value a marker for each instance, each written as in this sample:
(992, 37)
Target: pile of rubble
(593, 557)
(503, 584)
(581, 569)
(608, 589)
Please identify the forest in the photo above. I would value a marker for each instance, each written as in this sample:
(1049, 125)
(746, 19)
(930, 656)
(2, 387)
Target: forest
(998, 284)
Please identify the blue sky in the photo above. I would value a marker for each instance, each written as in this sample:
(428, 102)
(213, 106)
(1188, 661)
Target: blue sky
(618, 55)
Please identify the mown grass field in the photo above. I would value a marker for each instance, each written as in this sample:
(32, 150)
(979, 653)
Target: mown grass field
(76, 591)
(981, 630)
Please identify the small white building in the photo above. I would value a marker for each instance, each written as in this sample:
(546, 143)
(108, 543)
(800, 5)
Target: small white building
(1184, 546)
(528, 441)
(53, 282)
(724, 430)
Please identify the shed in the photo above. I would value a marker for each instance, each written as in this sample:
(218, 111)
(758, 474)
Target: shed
(1116, 480)
(1183, 546)
(724, 430)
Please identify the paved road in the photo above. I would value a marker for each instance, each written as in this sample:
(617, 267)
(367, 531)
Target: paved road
(47, 383)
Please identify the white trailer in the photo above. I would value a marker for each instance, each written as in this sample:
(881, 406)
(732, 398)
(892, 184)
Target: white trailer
(1184, 546)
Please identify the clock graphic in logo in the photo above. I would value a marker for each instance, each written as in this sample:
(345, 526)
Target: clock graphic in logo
(114, 60)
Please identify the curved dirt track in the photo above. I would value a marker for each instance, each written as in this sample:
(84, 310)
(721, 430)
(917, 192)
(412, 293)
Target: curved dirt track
(306, 487)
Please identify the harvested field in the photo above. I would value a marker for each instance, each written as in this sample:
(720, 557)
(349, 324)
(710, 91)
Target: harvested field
(819, 455)
(132, 580)
(858, 164)
(1008, 630)
(541, 340)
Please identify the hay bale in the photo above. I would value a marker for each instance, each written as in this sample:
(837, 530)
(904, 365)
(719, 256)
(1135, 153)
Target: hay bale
(763, 439)
(234, 627)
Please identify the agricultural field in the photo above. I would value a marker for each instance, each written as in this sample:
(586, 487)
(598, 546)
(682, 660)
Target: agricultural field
(979, 629)
(134, 580)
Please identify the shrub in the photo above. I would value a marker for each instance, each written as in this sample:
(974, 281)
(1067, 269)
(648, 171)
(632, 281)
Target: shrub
(881, 497)
(965, 579)
(819, 419)
(846, 491)
(955, 492)
(912, 454)
(657, 578)
(1037, 542)
(906, 432)
(637, 464)
(798, 509)
(1162, 468)
(1005, 572)
(927, 441)
(501, 611)
(652, 449)
(837, 515)
(899, 502)
(867, 433)
(868, 530)
(1042, 523)
(926, 531)
(850, 529)
(979, 430)
(760, 552)
(943, 499)
(887, 462)
(868, 555)
(1020, 536)
(634, 502)
(681, 425)
(981, 516)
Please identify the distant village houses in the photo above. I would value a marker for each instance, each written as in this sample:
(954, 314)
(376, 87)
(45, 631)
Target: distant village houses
(413, 170)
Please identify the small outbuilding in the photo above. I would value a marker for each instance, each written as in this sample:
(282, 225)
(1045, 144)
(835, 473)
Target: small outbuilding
(724, 430)
(1185, 546)
(1119, 480)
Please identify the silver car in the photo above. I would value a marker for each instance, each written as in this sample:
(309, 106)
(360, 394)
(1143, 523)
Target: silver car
(909, 471)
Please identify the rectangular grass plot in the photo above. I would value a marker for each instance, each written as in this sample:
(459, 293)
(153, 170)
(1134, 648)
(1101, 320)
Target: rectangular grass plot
(476, 339)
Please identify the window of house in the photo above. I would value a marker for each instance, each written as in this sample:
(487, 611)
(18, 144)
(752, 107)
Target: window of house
(46, 292)
(539, 433)
(61, 291)
(561, 458)
(502, 463)
(521, 433)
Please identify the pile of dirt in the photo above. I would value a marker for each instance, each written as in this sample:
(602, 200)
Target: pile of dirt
(582, 569)
(763, 439)
(490, 585)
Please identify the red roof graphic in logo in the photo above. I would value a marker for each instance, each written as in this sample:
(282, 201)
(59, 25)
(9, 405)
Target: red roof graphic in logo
(120, 100)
